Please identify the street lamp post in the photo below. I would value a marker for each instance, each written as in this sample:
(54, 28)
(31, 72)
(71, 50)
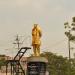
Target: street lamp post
(68, 34)
(69, 46)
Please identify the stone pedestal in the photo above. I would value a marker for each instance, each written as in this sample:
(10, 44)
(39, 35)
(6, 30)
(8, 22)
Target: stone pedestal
(37, 66)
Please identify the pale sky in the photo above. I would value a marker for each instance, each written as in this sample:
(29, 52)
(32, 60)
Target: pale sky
(18, 17)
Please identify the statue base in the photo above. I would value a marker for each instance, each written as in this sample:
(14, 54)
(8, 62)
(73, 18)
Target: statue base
(37, 65)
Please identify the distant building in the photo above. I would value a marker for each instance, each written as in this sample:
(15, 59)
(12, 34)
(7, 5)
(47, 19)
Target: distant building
(4, 57)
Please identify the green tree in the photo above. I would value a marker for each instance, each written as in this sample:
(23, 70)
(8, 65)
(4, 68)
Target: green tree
(57, 65)
(2, 60)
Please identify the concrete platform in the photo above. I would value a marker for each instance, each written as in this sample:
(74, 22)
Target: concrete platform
(37, 59)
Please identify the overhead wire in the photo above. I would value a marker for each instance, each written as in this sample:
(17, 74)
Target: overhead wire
(54, 45)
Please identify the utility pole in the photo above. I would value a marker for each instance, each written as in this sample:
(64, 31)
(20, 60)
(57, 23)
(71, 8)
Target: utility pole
(17, 42)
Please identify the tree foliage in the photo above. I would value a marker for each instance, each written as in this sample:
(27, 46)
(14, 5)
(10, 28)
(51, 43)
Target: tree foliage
(58, 65)
(2, 60)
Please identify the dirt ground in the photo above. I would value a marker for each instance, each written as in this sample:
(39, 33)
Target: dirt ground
(4, 73)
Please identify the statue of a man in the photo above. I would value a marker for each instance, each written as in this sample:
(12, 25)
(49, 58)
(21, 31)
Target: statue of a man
(36, 35)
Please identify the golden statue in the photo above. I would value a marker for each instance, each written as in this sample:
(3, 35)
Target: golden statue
(36, 35)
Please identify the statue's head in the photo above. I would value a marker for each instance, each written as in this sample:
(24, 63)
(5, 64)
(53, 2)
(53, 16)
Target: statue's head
(35, 25)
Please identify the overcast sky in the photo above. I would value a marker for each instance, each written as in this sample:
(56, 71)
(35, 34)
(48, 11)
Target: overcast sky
(18, 17)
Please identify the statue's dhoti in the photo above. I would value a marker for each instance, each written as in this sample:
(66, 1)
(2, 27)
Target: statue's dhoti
(36, 50)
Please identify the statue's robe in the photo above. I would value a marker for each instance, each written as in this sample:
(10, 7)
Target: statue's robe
(36, 34)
